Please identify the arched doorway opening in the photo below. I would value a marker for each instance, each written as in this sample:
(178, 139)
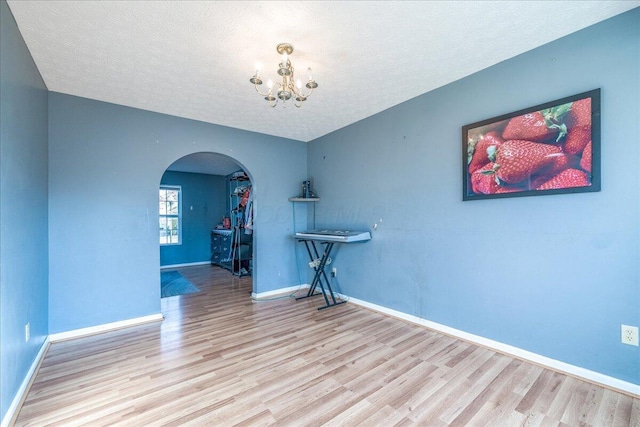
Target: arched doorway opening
(206, 215)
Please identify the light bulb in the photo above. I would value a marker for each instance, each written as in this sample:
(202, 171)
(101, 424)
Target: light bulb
(270, 84)
(258, 67)
(298, 83)
(309, 72)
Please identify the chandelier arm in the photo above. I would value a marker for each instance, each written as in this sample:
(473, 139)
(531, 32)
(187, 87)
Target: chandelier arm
(260, 93)
(307, 95)
(294, 88)
(298, 91)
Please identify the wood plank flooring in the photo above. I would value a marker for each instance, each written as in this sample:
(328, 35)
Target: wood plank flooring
(219, 359)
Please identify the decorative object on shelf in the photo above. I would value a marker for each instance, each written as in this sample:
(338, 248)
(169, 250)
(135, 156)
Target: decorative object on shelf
(306, 189)
(552, 148)
(290, 87)
(307, 192)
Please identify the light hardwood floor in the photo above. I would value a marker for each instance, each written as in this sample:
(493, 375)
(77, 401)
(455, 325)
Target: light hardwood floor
(219, 359)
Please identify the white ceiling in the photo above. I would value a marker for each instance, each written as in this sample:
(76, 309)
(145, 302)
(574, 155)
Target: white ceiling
(193, 59)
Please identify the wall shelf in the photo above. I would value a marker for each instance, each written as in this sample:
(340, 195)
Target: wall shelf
(304, 199)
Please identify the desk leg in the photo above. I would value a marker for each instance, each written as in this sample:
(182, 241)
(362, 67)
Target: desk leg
(314, 282)
(320, 274)
(323, 263)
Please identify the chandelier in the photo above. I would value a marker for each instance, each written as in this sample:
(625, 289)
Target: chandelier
(289, 87)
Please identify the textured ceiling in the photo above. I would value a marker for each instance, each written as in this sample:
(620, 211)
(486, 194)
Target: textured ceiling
(193, 59)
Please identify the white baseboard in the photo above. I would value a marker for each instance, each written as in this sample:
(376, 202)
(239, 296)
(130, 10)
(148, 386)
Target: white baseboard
(189, 264)
(16, 403)
(8, 419)
(77, 333)
(546, 362)
(556, 365)
(278, 292)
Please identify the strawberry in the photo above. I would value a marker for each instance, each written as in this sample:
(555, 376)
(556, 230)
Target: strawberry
(537, 181)
(517, 160)
(482, 183)
(585, 161)
(502, 190)
(557, 165)
(538, 126)
(477, 150)
(566, 178)
(577, 138)
(580, 113)
(530, 126)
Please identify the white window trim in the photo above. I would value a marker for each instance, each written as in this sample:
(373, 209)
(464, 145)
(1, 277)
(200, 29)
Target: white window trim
(179, 188)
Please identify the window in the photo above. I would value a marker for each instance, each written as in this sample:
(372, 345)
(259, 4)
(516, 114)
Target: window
(170, 215)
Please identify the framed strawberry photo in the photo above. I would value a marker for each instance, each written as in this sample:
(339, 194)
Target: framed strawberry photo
(553, 148)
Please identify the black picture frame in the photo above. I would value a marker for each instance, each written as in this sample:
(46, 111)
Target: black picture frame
(539, 150)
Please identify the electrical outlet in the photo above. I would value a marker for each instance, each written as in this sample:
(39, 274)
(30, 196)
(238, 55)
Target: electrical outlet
(629, 335)
(334, 271)
(27, 332)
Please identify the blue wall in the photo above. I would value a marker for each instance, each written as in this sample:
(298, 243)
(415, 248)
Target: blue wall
(23, 209)
(555, 275)
(204, 200)
(105, 164)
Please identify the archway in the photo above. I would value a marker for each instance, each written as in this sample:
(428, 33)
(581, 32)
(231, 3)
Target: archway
(205, 214)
